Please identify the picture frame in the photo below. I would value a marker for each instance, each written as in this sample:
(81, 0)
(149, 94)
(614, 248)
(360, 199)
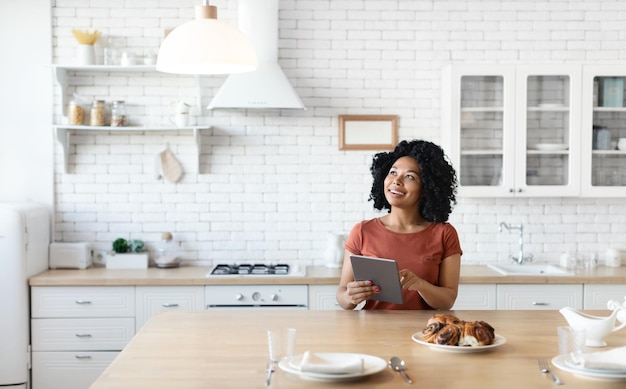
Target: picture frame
(368, 132)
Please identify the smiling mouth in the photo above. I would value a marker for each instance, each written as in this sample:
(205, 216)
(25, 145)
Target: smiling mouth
(395, 192)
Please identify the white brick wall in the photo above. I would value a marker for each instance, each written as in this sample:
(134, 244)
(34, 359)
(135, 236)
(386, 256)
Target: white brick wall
(270, 185)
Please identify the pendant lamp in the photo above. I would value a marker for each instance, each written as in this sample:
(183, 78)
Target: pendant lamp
(206, 46)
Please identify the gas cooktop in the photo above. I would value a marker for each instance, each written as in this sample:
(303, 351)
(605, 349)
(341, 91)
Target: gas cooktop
(250, 269)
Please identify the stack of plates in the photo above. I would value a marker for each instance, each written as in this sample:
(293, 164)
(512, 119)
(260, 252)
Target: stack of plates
(565, 363)
(371, 365)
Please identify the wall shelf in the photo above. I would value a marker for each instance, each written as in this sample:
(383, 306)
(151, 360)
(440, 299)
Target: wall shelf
(61, 71)
(63, 133)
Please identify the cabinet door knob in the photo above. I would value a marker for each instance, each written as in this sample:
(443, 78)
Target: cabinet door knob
(511, 190)
(83, 335)
(82, 302)
(539, 303)
(82, 356)
(169, 305)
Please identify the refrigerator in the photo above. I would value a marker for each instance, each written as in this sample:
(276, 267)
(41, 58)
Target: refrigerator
(24, 241)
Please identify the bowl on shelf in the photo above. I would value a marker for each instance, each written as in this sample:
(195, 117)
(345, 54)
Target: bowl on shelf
(551, 146)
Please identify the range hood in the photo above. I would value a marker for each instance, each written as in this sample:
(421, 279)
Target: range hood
(266, 87)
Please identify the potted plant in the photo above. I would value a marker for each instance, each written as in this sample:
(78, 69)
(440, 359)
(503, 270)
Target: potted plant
(127, 255)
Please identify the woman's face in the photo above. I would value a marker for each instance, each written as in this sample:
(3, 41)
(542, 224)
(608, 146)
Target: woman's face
(403, 184)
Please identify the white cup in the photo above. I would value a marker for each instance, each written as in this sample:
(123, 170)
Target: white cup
(613, 257)
(621, 144)
(127, 59)
(180, 119)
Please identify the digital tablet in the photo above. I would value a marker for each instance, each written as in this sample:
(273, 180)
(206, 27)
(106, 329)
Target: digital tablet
(382, 272)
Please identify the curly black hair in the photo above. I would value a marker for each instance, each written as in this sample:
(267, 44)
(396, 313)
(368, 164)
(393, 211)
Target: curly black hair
(438, 178)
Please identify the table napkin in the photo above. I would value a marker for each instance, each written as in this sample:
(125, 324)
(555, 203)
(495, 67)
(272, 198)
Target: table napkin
(316, 363)
(614, 359)
(171, 169)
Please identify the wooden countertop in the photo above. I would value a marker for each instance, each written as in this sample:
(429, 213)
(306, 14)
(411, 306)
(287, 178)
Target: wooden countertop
(228, 349)
(315, 275)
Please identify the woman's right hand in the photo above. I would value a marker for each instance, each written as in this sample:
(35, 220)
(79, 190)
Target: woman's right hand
(358, 291)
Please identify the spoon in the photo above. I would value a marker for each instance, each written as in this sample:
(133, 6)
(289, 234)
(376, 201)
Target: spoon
(397, 364)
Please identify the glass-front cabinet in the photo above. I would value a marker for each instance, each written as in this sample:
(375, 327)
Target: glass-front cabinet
(513, 130)
(603, 131)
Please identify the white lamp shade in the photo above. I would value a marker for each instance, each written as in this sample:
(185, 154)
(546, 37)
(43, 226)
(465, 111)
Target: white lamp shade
(206, 46)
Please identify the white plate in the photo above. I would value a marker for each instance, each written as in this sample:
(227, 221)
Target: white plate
(498, 341)
(551, 146)
(563, 363)
(371, 365)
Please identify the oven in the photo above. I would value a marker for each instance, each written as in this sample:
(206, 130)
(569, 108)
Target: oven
(253, 295)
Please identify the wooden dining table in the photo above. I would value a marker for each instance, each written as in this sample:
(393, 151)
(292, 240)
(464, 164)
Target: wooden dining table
(228, 349)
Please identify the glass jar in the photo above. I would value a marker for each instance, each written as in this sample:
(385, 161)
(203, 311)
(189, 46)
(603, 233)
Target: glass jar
(118, 113)
(97, 115)
(166, 253)
(75, 113)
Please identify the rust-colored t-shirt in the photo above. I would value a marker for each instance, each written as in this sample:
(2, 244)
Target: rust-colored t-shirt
(421, 252)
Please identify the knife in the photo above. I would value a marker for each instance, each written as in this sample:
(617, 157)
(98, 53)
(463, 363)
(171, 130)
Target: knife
(270, 370)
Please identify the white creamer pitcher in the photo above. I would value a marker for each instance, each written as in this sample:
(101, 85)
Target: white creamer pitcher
(334, 250)
(597, 327)
(180, 107)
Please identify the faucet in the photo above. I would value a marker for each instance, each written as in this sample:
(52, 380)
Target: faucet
(520, 259)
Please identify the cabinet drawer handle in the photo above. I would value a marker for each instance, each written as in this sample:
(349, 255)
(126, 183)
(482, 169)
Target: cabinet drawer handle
(82, 356)
(539, 303)
(82, 302)
(169, 305)
(83, 335)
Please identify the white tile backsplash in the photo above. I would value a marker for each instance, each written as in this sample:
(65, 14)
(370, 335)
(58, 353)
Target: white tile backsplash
(271, 184)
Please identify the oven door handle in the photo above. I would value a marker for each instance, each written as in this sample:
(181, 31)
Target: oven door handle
(249, 306)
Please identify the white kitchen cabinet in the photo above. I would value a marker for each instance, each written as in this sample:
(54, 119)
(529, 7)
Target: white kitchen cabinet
(513, 130)
(150, 299)
(69, 370)
(475, 297)
(603, 169)
(323, 297)
(597, 295)
(539, 297)
(75, 334)
(77, 331)
(81, 301)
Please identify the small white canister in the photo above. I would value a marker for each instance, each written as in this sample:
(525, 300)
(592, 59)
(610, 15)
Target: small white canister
(613, 257)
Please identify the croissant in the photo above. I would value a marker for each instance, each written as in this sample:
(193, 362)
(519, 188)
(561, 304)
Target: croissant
(449, 335)
(444, 318)
(430, 332)
(447, 329)
(476, 333)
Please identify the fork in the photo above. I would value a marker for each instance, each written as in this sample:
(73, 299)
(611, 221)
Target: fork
(543, 366)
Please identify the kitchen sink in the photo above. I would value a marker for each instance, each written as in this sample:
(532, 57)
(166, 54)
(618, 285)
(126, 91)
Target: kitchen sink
(530, 270)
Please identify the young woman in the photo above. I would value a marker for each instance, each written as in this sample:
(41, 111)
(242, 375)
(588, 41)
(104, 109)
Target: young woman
(416, 184)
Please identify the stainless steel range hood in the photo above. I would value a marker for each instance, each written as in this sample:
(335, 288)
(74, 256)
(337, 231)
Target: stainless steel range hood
(267, 87)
